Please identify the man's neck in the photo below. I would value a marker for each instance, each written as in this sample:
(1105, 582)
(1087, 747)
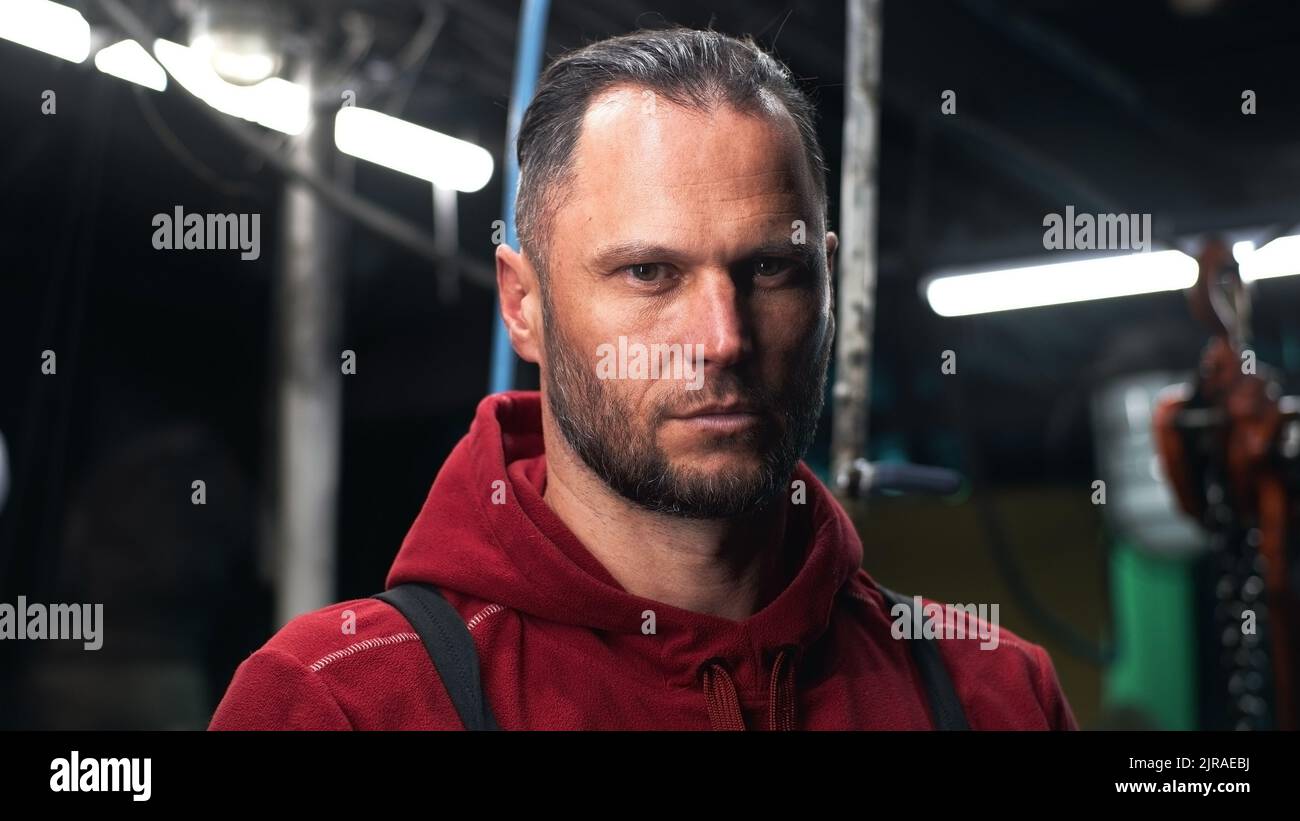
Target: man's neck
(725, 567)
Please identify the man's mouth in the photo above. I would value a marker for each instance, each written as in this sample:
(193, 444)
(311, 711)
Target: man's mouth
(721, 417)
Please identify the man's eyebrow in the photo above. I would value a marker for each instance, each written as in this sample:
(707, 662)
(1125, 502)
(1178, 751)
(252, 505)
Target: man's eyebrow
(619, 254)
(631, 252)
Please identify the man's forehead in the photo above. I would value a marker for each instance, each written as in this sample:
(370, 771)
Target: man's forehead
(633, 138)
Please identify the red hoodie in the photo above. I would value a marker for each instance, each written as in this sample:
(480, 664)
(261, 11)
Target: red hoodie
(562, 646)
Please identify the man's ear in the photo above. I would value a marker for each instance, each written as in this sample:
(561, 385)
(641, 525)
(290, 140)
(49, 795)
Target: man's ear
(832, 243)
(520, 298)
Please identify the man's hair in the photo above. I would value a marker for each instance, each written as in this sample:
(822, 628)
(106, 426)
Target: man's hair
(694, 69)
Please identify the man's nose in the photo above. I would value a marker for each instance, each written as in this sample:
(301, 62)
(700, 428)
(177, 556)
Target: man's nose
(718, 319)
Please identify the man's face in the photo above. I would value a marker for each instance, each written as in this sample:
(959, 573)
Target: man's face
(700, 230)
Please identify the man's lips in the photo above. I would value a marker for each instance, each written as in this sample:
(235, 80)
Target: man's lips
(718, 409)
(720, 418)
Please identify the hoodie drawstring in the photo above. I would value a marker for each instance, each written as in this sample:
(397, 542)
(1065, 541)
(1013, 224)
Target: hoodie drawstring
(720, 696)
(724, 704)
(780, 700)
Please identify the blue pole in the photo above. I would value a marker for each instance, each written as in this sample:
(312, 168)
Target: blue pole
(528, 64)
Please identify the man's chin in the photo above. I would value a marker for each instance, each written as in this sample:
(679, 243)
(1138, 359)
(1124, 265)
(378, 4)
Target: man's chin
(703, 465)
(716, 495)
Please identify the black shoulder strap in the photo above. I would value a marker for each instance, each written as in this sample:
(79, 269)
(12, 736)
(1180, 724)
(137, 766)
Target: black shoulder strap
(944, 704)
(450, 648)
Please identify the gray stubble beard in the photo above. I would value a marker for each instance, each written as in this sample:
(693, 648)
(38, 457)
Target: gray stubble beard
(627, 457)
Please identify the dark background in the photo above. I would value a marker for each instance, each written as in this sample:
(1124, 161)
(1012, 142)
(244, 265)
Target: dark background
(164, 357)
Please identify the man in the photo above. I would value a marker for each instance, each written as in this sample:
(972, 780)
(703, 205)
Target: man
(639, 546)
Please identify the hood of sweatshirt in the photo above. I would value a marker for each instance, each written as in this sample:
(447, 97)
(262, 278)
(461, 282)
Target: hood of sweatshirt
(485, 531)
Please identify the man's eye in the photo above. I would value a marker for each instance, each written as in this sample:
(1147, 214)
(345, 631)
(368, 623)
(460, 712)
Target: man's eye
(771, 266)
(646, 271)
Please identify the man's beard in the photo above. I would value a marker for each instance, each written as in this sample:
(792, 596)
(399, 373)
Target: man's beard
(622, 450)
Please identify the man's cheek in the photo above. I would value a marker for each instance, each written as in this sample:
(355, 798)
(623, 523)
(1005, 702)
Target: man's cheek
(792, 345)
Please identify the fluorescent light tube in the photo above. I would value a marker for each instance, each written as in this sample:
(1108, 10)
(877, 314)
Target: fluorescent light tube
(274, 103)
(129, 61)
(49, 27)
(1060, 283)
(1279, 258)
(411, 149)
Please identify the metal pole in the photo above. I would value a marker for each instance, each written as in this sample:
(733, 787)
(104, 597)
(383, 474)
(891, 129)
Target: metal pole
(856, 280)
(309, 389)
(446, 237)
(530, 43)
